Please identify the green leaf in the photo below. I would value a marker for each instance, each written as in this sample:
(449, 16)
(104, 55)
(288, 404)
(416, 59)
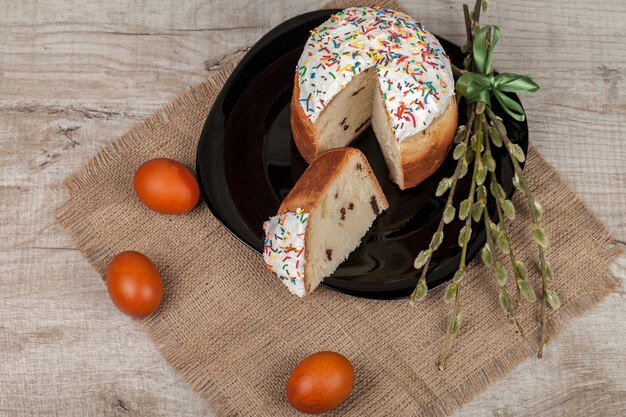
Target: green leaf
(422, 258)
(460, 134)
(546, 271)
(516, 151)
(500, 274)
(553, 299)
(436, 240)
(474, 145)
(455, 325)
(458, 276)
(539, 236)
(477, 211)
(520, 270)
(501, 192)
(481, 173)
(481, 191)
(537, 211)
(505, 300)
(490, 163)
(459, 151)
(495, 229)
(517, 184)
(450, 292)
(463, 168)
(448, 214)
(480, 107)
(444, 185)
(500, 127)
(469, 155)
(486, 255)
(526, 290)
(495, 136)
(484, 5)
(503, 243)
(496, 190)
(464, 208)
(464, 235)
(420, 291)
(508, 209)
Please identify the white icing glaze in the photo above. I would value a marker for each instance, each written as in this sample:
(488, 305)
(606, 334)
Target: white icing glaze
(413, 70)
(283, 250)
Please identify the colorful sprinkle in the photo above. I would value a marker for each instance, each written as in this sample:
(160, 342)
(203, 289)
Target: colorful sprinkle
(412, 68)
(283, 248)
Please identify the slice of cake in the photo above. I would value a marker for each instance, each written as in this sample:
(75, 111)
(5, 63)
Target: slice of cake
(322, 219)
(376, 66)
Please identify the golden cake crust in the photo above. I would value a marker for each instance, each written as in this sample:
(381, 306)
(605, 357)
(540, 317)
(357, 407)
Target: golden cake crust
(302, 129)
(423, 153)
(314, 182)
(312, 185)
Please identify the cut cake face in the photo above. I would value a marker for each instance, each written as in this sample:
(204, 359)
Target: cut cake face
(323, 219)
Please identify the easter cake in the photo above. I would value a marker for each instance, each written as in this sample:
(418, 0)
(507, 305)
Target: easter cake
(322, 219)
(376, 66)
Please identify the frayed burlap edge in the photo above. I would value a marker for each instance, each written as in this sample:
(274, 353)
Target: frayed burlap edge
(210, 88)
(70, 220)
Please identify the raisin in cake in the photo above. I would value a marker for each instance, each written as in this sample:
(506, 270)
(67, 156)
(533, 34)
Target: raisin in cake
(322, 219)
(371, 65)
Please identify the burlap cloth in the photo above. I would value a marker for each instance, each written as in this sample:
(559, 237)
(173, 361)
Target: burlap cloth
(232, 330)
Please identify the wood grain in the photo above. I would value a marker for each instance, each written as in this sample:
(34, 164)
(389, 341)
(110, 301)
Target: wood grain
(76, 75)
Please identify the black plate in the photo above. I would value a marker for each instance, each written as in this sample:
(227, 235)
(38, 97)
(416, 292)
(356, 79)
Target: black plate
(247, 163)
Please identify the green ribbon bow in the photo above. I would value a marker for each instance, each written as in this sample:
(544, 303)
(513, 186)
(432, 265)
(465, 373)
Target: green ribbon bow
(482, 85)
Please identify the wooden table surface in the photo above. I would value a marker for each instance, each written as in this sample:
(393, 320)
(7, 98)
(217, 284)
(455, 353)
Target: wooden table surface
(75, 75)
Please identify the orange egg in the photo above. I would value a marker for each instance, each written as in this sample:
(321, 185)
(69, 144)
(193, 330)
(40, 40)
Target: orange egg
(166, 186)
(134, 284)
(320, 382)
